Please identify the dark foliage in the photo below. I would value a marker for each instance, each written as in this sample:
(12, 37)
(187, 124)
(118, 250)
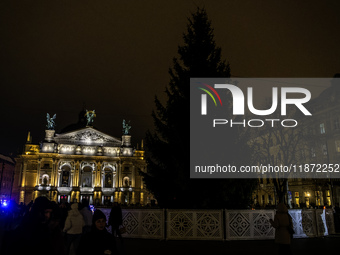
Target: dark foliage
(168, 148)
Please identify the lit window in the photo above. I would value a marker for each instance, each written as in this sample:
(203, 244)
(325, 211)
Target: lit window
(65, 176)
(307, 197)
(87, 176)
(337, 145)
(324, 149)
(328, 198)
(318, 197)
(297, 199)
(108, 180)
(322, 128)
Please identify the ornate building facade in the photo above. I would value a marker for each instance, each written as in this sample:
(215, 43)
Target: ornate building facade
(81, 165)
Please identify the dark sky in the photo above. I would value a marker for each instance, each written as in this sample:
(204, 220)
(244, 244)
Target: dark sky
(114, 55)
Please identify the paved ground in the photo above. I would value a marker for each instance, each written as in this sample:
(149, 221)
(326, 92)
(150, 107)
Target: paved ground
(319, 246)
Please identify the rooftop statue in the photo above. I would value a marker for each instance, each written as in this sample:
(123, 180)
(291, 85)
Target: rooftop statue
(90, 117)
(126, 128)
(50, 121)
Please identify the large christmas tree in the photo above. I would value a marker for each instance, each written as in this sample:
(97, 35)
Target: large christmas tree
(168, 175)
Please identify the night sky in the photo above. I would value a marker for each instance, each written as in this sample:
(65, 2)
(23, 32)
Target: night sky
(114, 56)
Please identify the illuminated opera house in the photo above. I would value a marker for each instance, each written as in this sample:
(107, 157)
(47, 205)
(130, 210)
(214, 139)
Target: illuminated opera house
(81, 164)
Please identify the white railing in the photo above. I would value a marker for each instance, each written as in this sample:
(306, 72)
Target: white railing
(195, 224)
(249, 224)
(220, 224)
(312, 222)
(141, 223)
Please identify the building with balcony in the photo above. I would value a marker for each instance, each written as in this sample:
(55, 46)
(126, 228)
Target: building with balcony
(81, 165)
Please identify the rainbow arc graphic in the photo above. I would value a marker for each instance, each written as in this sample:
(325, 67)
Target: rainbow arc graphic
(204, 98)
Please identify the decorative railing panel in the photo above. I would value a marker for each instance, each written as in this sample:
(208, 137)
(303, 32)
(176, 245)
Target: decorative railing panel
(210, 225)
(141, 223)
(312, 222)
(195, 224)
(321, 224)
(249, 224)
(303, 222)
(330, 221)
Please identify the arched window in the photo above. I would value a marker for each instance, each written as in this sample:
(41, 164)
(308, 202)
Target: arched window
(126, 181)
(65, 176)
(108, 178)
(86, 180)
(45, 179)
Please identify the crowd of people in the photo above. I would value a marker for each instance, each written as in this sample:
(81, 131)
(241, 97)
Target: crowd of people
(45, 227)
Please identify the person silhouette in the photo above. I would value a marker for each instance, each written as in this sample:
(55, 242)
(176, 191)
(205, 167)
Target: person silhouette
(98, 240)
(116, 220)
(282, 222)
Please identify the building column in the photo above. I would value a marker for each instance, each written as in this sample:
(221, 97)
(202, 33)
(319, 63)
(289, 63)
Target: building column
(100, 197)
(119, 175)
(133, 198)
(133, 176)
(141, 183)
(76, 174)
(58, 178)
(119, 197)
(53, 173)
(23, 180)
(23, 183)
(72, 196)
(94, 170)
(72, 177)
(142, 198)
(38, 173)
(35, 194)
(99, 175)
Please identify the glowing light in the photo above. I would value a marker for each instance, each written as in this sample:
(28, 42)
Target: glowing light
(89, 150)
(92, 208)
